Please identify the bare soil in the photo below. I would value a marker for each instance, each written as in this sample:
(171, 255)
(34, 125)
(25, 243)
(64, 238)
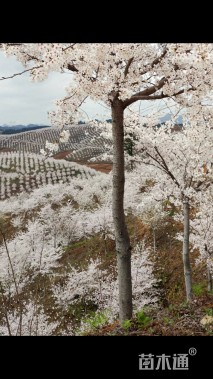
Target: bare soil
(62, 155)
(5, 150)
(102, 167)
(182, 320)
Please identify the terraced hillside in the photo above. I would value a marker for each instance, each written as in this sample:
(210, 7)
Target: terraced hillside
(27, 171)
(84, 140)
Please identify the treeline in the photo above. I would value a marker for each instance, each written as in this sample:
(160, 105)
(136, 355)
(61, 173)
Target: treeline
(82, 122)
(27, 129)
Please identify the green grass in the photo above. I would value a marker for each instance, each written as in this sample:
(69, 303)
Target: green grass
(198, 288)
(142, 319)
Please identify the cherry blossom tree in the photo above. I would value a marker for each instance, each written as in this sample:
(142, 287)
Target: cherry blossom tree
(101, 288)
(180, 166)
(120, 75)
(201, 230)
(32, 324)
(152, 213)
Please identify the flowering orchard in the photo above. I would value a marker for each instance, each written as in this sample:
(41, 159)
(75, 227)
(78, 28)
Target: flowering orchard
(84, 142)
(180, 165)
(32, 261)
(181, 75)
(27, 171)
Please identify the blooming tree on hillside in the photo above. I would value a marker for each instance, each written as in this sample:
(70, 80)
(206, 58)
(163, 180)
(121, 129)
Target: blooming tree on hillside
(201, 231)
(152, 213)
(120, 75)
(180, 166)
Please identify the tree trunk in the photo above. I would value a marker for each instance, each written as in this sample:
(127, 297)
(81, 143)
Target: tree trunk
(154, 239)
(105, 245)
(209, 279)
(209, 275)
(186, 262)
(122, 241)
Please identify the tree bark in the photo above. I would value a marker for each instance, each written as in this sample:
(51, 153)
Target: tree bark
(122, 241)
(209, 279)
(186, 261)
(209, 275)
(154, 239)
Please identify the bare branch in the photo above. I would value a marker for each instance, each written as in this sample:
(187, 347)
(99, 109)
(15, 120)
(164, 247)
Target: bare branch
(166, 167)
(20, 73)
(155, 62)
(68, 47)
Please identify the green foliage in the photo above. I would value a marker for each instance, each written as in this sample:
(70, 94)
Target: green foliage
(127, 324)
(165, 319)
(169, 307)
(209, 311)
(142, 319)
(129, 144)
(197, 289)
(172, 212)
(80, 243)
(99, 318)
(210, 333)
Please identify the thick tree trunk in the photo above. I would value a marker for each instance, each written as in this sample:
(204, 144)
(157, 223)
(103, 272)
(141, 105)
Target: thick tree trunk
(186, 261)
(122, 241)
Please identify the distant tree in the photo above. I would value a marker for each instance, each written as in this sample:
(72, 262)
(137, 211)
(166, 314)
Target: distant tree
(27, 129)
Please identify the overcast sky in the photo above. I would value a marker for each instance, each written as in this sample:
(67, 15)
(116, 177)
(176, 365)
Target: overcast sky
(24, 102)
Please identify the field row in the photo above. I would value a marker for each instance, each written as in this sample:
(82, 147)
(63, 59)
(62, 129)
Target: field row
(25, 172)
(85, 139)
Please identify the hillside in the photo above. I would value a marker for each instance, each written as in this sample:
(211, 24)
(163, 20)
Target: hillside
(84, 140)
(20, 129)
(80, 255)
(57, 237)
(20, 126)
(26, 172)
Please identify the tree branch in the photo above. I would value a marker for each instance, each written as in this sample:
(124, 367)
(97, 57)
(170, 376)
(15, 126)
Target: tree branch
(71, 67)
(166, 167)
(20, 73)
(136, 97)
(145, 94)
(127, 66)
